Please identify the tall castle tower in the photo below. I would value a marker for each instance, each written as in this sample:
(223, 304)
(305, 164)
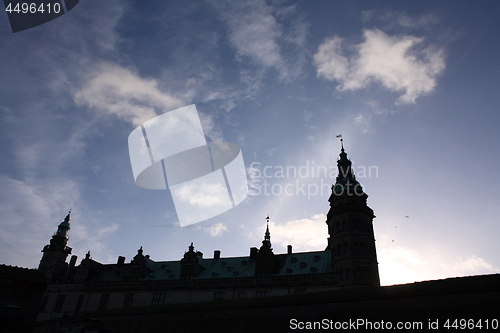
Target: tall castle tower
(53, 262)
(350, 226)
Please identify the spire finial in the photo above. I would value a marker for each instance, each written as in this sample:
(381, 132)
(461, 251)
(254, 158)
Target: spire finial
(267, 236)
(341, 141)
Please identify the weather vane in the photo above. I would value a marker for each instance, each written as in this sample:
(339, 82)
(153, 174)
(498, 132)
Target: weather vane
(341, 140)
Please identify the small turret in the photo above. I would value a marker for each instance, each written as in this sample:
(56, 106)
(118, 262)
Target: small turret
(53, 262)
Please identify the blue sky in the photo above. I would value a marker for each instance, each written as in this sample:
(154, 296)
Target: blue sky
(412, 87)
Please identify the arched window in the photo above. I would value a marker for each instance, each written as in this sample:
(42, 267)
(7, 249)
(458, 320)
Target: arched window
(339, 249)
(362, 248)
(348, 274)
(365, 273)
(355, 248)
(346, 248)
(343, 225)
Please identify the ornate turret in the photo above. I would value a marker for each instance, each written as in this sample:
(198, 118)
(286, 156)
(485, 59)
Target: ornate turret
(189, 263)
(350, 226)
(53, 262)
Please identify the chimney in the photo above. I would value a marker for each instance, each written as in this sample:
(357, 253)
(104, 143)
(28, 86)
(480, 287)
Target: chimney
(72, 261)
(253, 252)
(289, 247)
(217, 254)
(121, 260)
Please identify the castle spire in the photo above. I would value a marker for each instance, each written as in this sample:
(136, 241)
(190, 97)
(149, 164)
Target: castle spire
(267, 235)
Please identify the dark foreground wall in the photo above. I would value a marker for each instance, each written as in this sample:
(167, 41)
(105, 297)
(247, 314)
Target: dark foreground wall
(21, 291)
(475, 300)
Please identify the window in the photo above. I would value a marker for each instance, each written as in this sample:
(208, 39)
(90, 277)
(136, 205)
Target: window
(104, 302)
(341, 275)
(365, 273)
(299, 291)
(261, 293)
(348, 274)
(303, 265)
(346, 249)
(242, 294)
(243, 263)
(219, 295)
(288, 271)
(358, 273)
(156, 299)
(44, 303)
(355, 248)
(340, 249)
(128, 300)
(222, 264)
(343, 225)
(313, 269)
(294, 260)
(317, 258)
(79, 303)
(59, 303)
(362, 248)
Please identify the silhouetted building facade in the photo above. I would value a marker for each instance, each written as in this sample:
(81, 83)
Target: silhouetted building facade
(349, 259)
(350, 226)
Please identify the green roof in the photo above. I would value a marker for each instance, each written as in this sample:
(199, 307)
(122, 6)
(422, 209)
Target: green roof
(300, 263)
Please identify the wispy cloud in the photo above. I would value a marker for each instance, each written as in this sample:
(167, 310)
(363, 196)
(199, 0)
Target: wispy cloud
(256, 32)
(400, 19)
(89, 236)
(398, 63)
(123, 92)
(31, 211)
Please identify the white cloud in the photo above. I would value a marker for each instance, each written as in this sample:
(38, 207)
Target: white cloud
(215, 229)
(304, 234)
(469, 266)
(203, 195)
(122, 92)
(399, 264)
(253, 31)
(393, 61)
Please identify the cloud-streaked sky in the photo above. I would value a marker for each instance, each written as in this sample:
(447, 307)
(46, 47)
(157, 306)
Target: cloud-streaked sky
(412, 88)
